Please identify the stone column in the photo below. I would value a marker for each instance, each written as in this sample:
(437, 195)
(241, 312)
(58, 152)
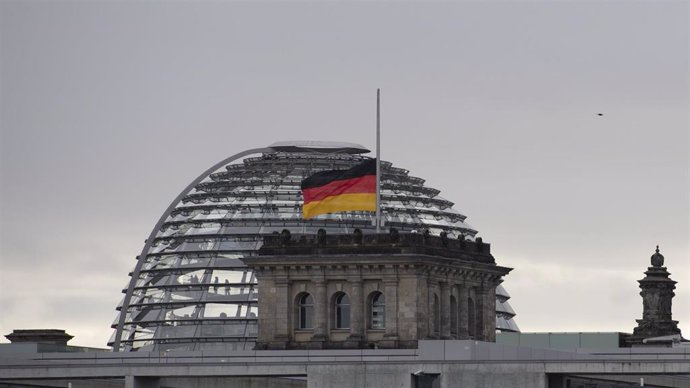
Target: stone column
(320, 311)
(390, 292)
(481, 315)
(357, 322)
(490, 314)
(283, 313)
(463, 294)
(445, 310)
(423, 313)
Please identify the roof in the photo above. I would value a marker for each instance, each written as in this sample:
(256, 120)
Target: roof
(319, 146)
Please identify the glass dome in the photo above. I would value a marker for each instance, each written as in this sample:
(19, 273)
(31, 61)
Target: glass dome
(190, 290)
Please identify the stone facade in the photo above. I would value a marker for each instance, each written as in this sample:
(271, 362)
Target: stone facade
(657, 295)
(382, 290)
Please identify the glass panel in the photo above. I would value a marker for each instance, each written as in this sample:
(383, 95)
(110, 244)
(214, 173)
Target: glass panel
(230, 245)
(194, 277)
(306, 317)
(306, 312)
(251, 230)
(152, 295)
(218, 292)
(161, 262)
(231, 277)
(227, 329)
(185, 296)
(378, 311)
(206, 228)
(225, 261)
(143, 335)
(342, 312)
(182, 313)
(228, 256)
(206, 245)
(159, 247)
(177, 331)
(217, 310)
(512, 325)
(212, 215)
(152, 279)
(146, 314)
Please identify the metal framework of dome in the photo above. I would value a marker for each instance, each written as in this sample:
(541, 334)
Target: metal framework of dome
(190, 290)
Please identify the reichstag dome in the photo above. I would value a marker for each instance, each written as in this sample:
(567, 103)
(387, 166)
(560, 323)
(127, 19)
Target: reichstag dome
(190, 290)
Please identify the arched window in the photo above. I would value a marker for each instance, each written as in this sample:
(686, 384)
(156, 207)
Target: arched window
(342, 311)
(435, 315)
(377, 311)
(305, 311)
(453, 316)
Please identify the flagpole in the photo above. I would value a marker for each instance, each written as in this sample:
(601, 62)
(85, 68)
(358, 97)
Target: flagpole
(378, 160)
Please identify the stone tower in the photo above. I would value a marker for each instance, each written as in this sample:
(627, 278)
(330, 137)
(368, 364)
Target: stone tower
(386, 290)
(657, 295)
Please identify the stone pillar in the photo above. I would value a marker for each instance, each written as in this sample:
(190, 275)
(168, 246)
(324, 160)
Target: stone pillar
(463, 294)
(357, 323)
(320, 313)
(266, 319)
(283, 313)
(490, 314)
(390, 291)
(423, 329)
(445, 310)
(482, 313)
(431, 306)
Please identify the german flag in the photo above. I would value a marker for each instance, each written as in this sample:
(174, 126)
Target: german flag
(340, 190)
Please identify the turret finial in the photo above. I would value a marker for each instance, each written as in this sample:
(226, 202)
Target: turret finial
(657, 258)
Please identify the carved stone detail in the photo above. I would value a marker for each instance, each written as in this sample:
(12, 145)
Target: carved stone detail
(657, 295)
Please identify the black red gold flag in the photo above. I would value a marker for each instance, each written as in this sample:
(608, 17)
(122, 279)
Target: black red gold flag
(340, 190)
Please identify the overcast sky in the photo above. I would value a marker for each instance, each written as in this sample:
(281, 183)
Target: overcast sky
(109, 109)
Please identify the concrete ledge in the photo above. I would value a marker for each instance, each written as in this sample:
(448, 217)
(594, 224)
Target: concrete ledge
(476, 356)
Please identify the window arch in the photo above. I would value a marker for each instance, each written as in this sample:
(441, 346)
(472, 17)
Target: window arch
(377, 311)
(305, 311)
(341, 310)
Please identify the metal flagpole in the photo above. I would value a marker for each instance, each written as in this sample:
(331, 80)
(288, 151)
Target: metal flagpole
(378, 160)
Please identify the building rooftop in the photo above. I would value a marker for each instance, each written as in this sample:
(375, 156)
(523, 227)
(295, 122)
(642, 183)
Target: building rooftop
(318, 146)
(190, 289)
(392, 243)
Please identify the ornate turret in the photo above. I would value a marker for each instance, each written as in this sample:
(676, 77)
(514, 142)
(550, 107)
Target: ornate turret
(657, 294)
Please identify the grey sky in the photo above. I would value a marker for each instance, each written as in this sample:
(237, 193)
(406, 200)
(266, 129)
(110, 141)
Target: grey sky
(108, 109)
